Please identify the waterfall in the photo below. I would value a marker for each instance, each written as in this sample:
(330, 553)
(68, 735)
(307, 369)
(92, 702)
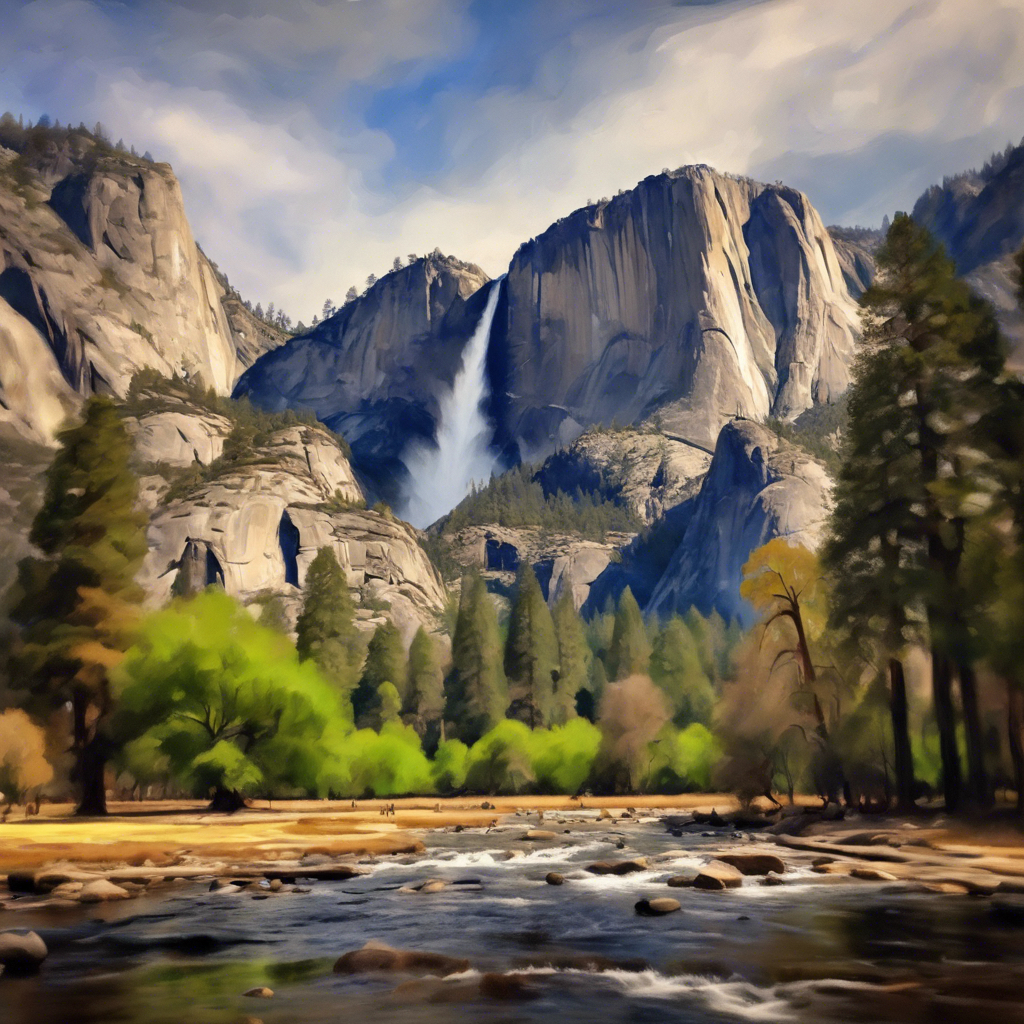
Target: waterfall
(441, 474)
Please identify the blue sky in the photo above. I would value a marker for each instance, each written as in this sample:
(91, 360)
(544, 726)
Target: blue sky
(317, 139)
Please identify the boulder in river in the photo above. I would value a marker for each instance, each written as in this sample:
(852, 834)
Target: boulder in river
(718, 875)
(102, 891)
(683, 881)
(539, 833)
(870, 874)
(657, 907)
(618, 867)
(376, 956)
(260, 992)
(754, 863)
(21, 952)
(554, 878)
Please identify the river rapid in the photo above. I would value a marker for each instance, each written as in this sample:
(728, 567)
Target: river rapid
(817, 948)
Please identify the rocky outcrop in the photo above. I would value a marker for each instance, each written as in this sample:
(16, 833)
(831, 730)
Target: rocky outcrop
(374, 371)
(644, 469)
(758, 487)
(696, 293)
(100, 276)
(562, 562)
(253, 520)
(979, 217)
(855, 250)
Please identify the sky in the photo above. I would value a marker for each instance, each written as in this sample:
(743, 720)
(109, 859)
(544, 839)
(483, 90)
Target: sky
(315, 140)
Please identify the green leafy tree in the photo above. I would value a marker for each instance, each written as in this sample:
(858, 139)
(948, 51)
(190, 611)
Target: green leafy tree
(389, 703)
(385, 663)
(77, 605)
(476, 692)
(531, 653)
(234, 709)
(326, 630)
(630, 651)
(574, 660)
(424, 697)
(676, 668)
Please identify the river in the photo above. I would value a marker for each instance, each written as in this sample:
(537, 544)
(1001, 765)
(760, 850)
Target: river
(814, 949)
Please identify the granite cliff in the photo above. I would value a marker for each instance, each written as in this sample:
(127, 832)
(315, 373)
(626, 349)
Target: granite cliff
(758, 486)
(697, 294)
(374, 371)
(100, 275)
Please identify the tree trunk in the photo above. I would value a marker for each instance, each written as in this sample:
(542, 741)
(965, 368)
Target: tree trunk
(945, 718)
(90, 761)
(978, 783)
(92, 765)
(1015, 725)
(227, 800)
(904, 767)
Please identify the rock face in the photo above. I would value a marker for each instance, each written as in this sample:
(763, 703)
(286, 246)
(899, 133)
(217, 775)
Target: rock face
(758, 487)
(374, 371)
(255, 523)
(979, 217)
(562, 562)
(99, 276)
(696, 293)
(855, 250)
(646, 470)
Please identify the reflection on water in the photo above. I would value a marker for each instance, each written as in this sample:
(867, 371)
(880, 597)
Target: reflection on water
(838, 951)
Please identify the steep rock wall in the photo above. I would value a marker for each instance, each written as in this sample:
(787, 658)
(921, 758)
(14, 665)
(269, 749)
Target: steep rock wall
(704, 295)
(99, 276)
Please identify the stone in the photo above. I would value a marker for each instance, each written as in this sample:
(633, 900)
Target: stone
(772, 880)
(539, 834)
(21, 952)
(657, 907)
(276, 885)
(376, 956)
(554, 878)
(605, 814)
(102, 891)
(618, 867)
(684, 881)
(717, 875)
(754, 863)
(870, 874)
(262, 992)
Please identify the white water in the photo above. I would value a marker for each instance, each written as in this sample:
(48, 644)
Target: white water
(442, 474)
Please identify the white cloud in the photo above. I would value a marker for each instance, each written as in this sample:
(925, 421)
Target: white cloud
(293, 194)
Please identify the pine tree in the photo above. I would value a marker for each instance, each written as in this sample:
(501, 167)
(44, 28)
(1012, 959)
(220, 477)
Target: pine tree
(531, 653)
(676, 669)
(77, 606)
(574, 659)
(385, 663)
(476, 692)
(326, 629)
(630, 651)
(424, 698)
(943, 350)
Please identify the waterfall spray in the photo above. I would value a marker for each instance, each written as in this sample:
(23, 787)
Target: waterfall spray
(442, 474)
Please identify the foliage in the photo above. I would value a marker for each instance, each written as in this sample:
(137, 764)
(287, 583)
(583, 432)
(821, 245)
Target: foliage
(368, 763)
(385, 663)
(676, 668)
(516, 498)
(232, 705)
(449, 767)
(326, 631)
(23, 763)
(629, 651)
(575, 659)
(632, 714)
(685, 759)
(77, 605)
(476, 692)
(819, 431)
(531, 656)
(423, 708)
